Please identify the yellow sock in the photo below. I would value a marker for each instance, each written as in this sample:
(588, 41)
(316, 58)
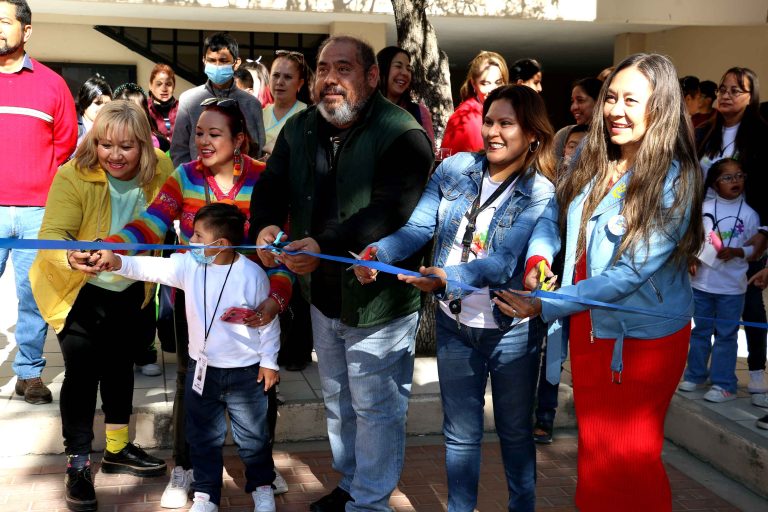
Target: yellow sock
(117, 439)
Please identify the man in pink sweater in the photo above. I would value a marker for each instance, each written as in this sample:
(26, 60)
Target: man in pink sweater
(38, 132)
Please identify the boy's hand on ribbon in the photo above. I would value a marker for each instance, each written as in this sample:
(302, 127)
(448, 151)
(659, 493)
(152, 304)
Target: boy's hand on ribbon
(516, 304)
(268, 376)
(301, 263)
(437, 279)
(268, 236)
(108, 261)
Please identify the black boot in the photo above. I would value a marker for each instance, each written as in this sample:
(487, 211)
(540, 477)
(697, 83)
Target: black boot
(334, 502)
(78, 486)
(132, 460)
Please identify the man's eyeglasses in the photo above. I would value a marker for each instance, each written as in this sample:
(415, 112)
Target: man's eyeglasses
(733, 92)
(219, 102)
(728, 178)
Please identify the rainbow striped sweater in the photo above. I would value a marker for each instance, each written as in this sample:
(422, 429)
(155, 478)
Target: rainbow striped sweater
(182, 195)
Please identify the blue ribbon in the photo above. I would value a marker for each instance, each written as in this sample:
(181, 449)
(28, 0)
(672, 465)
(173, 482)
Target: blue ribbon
(14, 243)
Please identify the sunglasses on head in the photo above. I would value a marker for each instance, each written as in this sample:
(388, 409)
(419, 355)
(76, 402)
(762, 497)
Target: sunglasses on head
(290, 53)
(219, 102)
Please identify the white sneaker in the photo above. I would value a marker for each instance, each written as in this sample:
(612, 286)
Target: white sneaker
(202, 503)
(150, 370)
(757, 382)
(718, 395)
(263, 499)
(281, 486)
(760, 400)
(687, 385)
(176, 493)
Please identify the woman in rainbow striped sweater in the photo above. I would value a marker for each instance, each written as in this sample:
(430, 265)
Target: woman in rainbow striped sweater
(223, 172)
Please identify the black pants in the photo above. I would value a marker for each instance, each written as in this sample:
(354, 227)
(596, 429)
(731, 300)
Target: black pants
(754, 311)
(96, 344)
(144, 343)
(296, 331)
(181, 455)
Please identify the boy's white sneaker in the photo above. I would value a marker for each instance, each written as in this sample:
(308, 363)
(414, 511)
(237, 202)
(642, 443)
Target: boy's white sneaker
(757, 382)
(263, 499)
(687, 385)
(281, 486)
(176, 493)
(717, 394)
(202, 503)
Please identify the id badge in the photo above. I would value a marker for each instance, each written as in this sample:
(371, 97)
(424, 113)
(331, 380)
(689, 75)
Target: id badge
(199, 381)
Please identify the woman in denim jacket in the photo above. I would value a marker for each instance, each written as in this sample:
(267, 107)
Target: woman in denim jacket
(474, 340)
(627, 207)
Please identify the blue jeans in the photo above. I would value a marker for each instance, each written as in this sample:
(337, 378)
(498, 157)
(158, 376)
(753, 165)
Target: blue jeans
(366, 376)
(235, 391)
(465, 358)
(722, 368)
(23, 222)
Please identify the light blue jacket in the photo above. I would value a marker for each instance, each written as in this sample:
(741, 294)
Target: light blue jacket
(448, 196)
(649, 280)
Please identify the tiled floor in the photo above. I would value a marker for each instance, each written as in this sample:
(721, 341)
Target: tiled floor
(309, 475)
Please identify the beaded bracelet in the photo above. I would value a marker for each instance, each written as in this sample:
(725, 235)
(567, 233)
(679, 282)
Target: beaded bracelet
(280, 301)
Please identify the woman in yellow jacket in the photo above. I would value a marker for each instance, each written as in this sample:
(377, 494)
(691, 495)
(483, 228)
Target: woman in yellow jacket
(114, 175)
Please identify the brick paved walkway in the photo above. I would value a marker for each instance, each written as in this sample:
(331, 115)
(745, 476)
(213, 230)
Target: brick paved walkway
(309, 475)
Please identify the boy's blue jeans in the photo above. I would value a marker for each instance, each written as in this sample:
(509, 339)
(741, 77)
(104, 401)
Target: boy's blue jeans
(722, 368)
(235, 391)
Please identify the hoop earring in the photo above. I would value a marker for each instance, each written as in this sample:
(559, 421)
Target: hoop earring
(534, 146)
(238, 160)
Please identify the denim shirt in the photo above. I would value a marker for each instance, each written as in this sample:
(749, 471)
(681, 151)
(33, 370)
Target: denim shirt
(650, 279)
(448, 196)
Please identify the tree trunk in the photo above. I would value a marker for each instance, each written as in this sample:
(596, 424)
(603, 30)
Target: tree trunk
(431, 77)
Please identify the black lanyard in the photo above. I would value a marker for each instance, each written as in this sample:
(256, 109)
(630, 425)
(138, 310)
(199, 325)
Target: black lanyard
(476, 209)
(735, 222)
(206, 326)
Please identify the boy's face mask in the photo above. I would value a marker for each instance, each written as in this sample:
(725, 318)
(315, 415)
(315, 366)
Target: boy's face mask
(197, 250)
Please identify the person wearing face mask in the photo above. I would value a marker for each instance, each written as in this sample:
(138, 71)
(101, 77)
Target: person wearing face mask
(487, 71)
(115, 172)
(163, 106)
(223, 173)
(221, 57)
(395, 84)
(287, 79)
(93, 94)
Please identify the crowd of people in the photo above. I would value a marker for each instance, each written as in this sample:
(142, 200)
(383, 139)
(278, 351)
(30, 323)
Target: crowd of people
(641, 204)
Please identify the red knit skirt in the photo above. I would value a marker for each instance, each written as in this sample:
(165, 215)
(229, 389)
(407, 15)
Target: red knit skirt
(621, 426)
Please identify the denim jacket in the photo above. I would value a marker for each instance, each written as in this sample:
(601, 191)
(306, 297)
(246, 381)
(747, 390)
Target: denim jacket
(448, 196)
(649, 280)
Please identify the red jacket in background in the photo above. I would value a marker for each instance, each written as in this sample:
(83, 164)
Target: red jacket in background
(462, 133)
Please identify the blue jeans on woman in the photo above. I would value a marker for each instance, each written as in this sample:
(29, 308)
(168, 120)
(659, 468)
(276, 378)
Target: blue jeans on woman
(465, 359)
(235, 391)
(722, 368)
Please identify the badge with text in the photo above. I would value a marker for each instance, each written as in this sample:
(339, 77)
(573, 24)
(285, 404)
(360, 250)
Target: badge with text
(199, 380)
(617, 225)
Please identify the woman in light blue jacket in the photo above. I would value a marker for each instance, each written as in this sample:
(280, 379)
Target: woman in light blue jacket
(482, 209)
(628, 208)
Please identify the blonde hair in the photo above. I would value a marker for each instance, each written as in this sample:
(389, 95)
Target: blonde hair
(115, 117)
(668, 138)
(479, 64)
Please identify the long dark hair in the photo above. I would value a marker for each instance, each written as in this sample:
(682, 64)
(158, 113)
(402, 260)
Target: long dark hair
(385, 58)
(531, 114)
(93, 88)
(748, 137)
(667, 138)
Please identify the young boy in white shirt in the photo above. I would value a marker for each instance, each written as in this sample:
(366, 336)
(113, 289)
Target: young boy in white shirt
(232, 365)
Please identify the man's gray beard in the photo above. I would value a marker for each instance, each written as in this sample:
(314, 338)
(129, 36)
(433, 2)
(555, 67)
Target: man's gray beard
(343, 115)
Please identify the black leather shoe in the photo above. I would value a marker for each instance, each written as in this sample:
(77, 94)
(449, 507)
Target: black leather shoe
(79, 491)
(132, 460)
(334, 502)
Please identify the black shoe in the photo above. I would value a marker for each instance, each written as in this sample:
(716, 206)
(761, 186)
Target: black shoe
(79, 491)
(542, 434)
(296, 366)
(132, 460)
(334, 502)
(763, 422)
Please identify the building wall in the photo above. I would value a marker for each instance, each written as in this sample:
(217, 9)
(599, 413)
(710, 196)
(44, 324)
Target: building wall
(705, 52)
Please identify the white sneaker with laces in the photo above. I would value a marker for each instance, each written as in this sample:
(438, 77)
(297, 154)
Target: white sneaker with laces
(281, 486)
(760, 400)
(687, 385)
(202, 503)
(718, 395)
(176, 493)
(757, 382)
(150, 370)
(263, 499)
